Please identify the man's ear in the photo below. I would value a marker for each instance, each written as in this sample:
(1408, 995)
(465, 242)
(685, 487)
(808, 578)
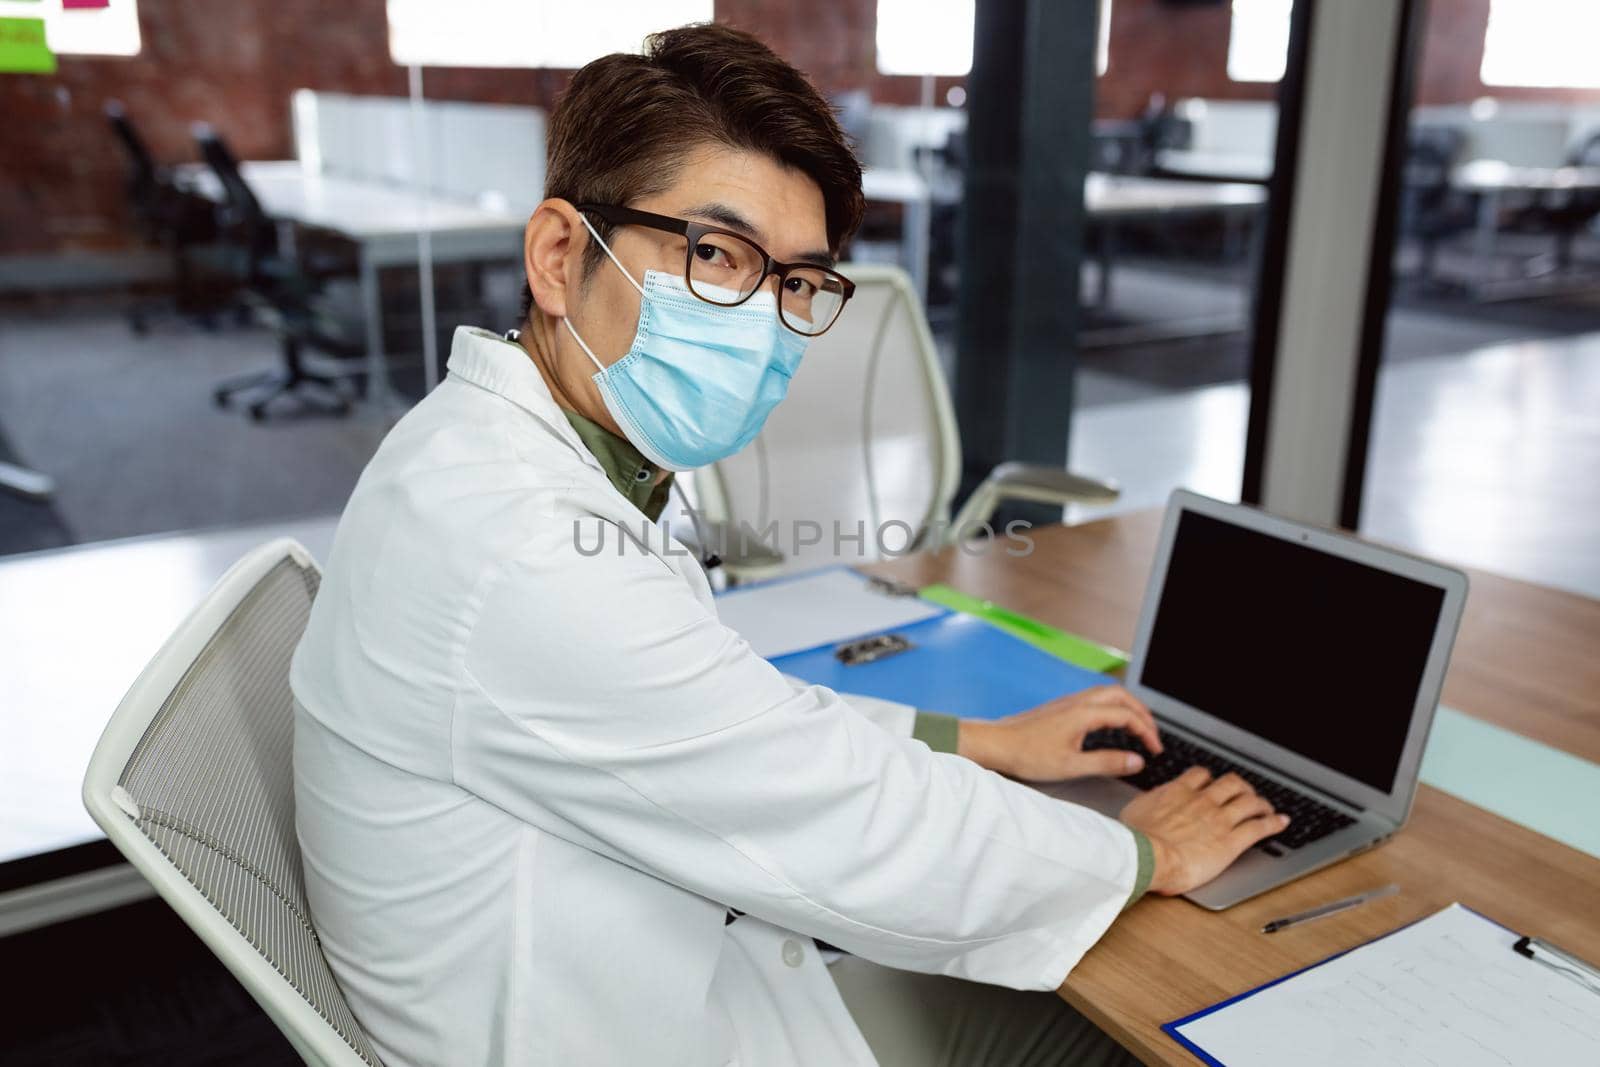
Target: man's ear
(552, 250)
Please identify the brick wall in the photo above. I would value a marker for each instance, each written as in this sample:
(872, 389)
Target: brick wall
(234, 64)
(1179, 51)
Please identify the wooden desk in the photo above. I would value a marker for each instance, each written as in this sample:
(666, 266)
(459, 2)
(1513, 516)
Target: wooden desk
(1526, 659)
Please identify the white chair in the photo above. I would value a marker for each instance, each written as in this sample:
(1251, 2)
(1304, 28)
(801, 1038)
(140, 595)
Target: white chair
(192, 782)
(867, 436)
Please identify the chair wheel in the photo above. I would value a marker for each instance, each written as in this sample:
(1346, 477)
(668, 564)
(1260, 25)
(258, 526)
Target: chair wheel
(220, 398)
(258, 412)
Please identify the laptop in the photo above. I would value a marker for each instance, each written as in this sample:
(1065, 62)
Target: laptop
(1306, 661)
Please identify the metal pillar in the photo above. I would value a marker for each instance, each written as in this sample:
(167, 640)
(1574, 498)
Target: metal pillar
(1030, 105)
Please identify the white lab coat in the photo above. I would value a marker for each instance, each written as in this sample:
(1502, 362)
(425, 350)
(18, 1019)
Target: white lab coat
(530, 782)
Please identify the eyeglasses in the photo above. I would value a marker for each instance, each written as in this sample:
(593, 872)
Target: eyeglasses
(723, 268)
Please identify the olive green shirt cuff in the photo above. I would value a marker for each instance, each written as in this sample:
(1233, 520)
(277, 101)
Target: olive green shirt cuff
(938, 732)
(1147, 867)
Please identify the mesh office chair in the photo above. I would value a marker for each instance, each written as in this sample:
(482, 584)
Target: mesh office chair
(867, 434)
(192, 782)
(285, 293)
(170, 217)
(1572, 212)
(1431, 209)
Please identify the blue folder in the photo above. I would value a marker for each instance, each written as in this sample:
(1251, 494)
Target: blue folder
(957, 664)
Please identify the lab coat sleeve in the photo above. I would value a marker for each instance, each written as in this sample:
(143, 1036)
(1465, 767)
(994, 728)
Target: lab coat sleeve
(891, 715)
(603, 702)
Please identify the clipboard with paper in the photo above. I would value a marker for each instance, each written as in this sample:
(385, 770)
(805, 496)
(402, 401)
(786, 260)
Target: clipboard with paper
(1450, 989)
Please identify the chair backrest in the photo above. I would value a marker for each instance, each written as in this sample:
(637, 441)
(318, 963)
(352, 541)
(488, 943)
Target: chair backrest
(241, 216)
(192, 782)
(866, 435)
(1587, 152)
(141, 164)
(1431, 154)
(240, 198)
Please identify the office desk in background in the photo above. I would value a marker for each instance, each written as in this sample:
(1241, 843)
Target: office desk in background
(384, 221)
(77, 625)
(1111, 199)
(1490, 180)
(1108, 199)
(1191, 165)
(1525, 660)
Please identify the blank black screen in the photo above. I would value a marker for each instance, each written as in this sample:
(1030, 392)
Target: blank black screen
(1318, 654)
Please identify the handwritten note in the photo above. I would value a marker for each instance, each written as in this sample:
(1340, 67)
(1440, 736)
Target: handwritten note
(1445, 992)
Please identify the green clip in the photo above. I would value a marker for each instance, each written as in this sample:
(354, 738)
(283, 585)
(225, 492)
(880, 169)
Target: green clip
(1080, 651)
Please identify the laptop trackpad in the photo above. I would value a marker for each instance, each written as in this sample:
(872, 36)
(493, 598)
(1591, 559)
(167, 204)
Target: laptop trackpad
(1108, 796)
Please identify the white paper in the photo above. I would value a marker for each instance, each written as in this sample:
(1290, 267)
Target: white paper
(1445, 992)
(791, 615)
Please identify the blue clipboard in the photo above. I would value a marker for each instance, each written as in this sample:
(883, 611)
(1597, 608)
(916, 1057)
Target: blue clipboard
(958, 664)
(1171, 1029)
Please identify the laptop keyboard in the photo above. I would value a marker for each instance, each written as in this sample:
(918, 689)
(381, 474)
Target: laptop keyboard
(1309, 819)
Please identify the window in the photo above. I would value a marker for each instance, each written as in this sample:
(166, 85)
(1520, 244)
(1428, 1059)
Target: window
(1258, 43)
(1545, 43)
(925, 37)
(526, 33)
(935, 37)
(1102, 51)
(108, 29)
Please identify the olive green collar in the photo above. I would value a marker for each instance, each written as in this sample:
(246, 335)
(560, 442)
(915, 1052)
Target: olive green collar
(632, 475)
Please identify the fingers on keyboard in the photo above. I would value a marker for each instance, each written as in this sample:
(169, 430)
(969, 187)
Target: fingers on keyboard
(1309, 819)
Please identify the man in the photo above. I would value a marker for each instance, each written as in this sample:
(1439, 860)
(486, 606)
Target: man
(552, 811)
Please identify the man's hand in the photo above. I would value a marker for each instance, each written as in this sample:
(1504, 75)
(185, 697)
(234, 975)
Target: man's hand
(1197, 826)
(1046, 743)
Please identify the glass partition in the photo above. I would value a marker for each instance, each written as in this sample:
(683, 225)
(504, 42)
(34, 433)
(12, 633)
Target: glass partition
(1485, 445)
(1184, 136)
(183, 314)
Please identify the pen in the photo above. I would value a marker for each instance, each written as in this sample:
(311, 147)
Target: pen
(1563, 963)
(1332, 908)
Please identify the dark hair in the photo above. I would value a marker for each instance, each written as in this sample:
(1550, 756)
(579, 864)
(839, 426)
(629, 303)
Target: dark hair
(626, 122)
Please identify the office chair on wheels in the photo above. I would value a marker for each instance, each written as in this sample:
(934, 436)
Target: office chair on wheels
(167, 216)
(867, 434)
(1431, 209)
(1572, 211)
(192, 782)
(284, 291)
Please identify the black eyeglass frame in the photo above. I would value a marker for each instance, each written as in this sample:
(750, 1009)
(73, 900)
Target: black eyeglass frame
(692, 232)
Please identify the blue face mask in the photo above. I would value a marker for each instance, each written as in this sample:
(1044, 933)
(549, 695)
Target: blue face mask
(700, 380)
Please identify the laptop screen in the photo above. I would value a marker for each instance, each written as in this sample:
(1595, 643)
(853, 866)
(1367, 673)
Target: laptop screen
(1318, 654)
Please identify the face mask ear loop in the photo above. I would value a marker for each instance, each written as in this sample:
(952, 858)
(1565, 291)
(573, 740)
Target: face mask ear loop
(568, 322)
(582, 343)
(607, 250)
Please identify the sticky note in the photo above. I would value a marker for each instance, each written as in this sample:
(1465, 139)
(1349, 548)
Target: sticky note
(83, 5)
(23, 49)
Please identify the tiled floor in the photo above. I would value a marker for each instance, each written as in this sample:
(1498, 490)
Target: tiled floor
(1490, 459)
